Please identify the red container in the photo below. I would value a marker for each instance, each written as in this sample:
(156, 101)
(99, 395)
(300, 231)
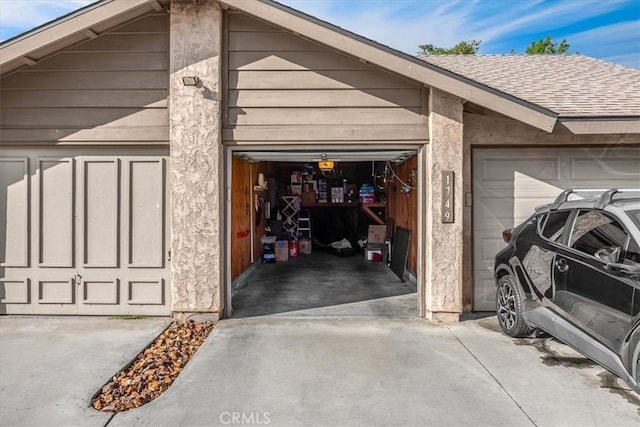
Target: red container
(376, 257)
(294, 249)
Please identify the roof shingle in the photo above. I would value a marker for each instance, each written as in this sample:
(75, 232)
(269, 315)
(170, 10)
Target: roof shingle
(569, 85)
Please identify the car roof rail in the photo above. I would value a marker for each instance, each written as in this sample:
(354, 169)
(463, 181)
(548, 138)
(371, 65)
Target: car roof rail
(603, 196)
(607, 196)
(562, 197)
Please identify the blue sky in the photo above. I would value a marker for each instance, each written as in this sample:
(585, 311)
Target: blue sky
(605, 29)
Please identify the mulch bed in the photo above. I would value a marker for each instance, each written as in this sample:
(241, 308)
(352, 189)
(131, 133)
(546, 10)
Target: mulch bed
(154, 370)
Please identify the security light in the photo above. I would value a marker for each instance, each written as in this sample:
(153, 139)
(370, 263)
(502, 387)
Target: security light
(190, 81)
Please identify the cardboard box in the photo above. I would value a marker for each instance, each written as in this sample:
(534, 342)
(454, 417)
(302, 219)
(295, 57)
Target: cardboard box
(337, 195)
(377, 234)
(305, 246)
(309, 198)
(282, 251)
(375, 252)
(296, 178)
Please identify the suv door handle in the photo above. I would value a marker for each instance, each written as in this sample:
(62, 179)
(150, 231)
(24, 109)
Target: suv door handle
(561, 265)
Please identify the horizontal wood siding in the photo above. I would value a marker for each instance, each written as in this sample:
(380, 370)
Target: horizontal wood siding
(282, 87)
(110, 90)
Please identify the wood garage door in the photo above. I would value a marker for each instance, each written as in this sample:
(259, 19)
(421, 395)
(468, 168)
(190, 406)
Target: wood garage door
(509, 183)
(84, 231)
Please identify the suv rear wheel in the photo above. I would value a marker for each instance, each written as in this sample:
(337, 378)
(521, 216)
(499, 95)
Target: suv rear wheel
(509, 308)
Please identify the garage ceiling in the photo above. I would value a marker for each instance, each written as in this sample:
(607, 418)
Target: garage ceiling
(336, 155)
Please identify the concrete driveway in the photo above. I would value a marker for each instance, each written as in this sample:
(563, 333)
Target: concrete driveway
(50, 367)
(325, 372)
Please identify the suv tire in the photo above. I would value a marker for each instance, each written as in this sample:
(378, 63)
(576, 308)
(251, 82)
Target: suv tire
(509, 308)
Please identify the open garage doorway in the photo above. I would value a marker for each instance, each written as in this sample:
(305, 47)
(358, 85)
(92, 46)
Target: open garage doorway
(323, 232)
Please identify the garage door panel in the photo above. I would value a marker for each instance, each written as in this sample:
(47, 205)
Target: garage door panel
(79, 208)
(56, 212)
(100, 212)
(14, 291)
(501, 169)
(588, 169)
(493, 211)
(488, 244)
(56, 291)
(146, 213)
(508, 184)
(484, 296)
(14, 212)
(145, 291)
(100, 291)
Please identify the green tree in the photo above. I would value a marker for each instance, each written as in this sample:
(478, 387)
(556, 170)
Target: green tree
(547, 45)
(465, 47)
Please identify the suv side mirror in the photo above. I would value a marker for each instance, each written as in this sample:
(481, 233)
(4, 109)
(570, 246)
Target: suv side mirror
(609, 255)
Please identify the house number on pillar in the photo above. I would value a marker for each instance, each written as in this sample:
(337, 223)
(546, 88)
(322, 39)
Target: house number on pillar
(448, 200)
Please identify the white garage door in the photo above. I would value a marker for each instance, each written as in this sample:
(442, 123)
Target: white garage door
(83, 231)
(508, 183)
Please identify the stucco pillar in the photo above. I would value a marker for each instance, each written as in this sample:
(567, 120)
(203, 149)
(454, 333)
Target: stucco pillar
(196, 178)
(443, 252)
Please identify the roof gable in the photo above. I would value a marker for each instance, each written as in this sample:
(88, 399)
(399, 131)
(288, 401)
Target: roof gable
(507, 97)
(77, 27)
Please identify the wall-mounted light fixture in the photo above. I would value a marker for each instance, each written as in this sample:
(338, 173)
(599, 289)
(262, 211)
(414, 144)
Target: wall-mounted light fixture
(190, 81)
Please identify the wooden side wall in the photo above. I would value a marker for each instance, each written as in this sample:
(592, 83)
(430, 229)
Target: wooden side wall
(241, 206)
(110, 90)
(260, 223)
(244, 222)
(403, 208)
(282, 87)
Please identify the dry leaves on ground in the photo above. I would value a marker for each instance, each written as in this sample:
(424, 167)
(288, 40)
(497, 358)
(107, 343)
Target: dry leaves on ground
(154, 370)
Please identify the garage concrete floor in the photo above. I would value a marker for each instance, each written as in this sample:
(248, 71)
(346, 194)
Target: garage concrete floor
(323, 284)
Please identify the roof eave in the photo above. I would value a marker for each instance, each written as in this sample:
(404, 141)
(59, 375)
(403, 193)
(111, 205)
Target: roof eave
(395, 61)
(18, 51)
(595, 125)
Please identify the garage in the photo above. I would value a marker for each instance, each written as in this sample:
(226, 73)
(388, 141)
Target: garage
(84, 231)
(331, 217)
(508, 183)
(118, 204)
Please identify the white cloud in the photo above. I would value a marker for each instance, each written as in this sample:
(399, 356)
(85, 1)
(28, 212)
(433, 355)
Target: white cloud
(531, 17)
(500, 25)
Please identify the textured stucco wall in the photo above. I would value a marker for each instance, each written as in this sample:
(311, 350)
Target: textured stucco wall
(196, 177)
(443, 241)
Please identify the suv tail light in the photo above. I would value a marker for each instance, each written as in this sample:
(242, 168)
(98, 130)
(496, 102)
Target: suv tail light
(506, 235)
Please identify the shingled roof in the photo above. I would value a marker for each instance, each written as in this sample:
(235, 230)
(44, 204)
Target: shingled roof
(569, 85)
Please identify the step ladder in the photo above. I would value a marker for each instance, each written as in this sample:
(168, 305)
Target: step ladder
(304, 224)
(290, 215)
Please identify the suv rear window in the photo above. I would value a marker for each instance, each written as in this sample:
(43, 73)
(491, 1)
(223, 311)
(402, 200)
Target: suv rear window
(594, 230)
(554, 225)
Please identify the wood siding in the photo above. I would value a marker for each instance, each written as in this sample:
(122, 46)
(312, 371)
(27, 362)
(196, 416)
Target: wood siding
(403, 208)
(285, 85)
(110, 90)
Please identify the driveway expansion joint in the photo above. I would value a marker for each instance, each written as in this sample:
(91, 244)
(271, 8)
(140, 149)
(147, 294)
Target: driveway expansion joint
(494, 378)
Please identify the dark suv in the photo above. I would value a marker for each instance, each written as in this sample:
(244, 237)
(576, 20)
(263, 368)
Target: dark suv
(572, 270)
